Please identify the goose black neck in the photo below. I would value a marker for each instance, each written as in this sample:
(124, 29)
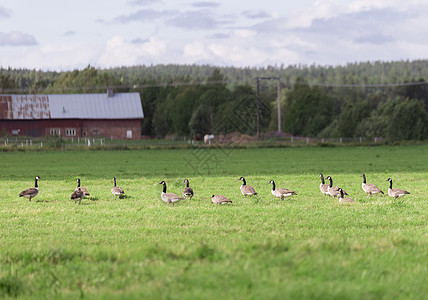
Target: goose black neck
(187, 183)
(273, 185)
(164, 187)
(364, 178)
(35, 182)
(322, 179)
(341, 193)
(78, 182)
(114, 179)
(390, 184)
(243, 181)
(331, 182)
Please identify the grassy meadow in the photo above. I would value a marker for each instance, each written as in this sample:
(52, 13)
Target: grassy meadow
(306, 247)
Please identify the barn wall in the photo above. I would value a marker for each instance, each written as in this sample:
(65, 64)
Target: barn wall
(116, 129)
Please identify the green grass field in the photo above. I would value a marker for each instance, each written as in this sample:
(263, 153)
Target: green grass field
(306, 247)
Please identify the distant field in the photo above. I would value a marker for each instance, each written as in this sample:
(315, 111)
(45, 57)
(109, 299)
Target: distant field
(305, 247)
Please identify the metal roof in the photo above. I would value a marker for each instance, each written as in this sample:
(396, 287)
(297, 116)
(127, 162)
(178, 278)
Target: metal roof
(71, 106)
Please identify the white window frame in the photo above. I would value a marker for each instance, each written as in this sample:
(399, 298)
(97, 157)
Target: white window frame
(55, 131)
(70, 132)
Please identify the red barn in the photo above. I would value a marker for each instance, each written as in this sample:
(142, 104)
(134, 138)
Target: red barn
(109, 115)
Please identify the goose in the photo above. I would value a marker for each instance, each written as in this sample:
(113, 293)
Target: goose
(30, 193)
(246, 190)
(84, 190)
(333, 190)
(77, 195)
(370, 188)
(116, 190)
(344, 200)
(220, 199)
(395, 193)
(188, 191)
(169, 197)
(323, 185)
(280, 192)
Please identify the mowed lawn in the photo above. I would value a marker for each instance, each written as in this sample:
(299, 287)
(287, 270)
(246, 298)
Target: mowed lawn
(306, 247)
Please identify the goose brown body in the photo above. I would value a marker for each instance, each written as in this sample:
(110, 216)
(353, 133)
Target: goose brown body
(77, 195)
(344, 200)
(188, 191)
(370, 188)
(84, 190)
(220, 199)
(323, 185)
(395, 193)
(334, 190)
(281, 192)
(117, 190)
(169, 197)
(32, 192)
(246, 190)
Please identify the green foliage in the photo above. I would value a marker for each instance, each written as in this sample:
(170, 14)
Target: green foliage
(202, 120)
(307, 110)
(406, 120)
(396, 120)
(55, 142)
(149, 100)
(346, 124)
(88, 80)
(6, 82)
(324, 101)
(181, 106)
(10, 286)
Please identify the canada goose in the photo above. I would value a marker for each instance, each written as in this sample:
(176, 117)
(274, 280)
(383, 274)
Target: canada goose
(323, 185)
(30, 193)
(395, 192)
(169, 197)
(188, 191)
(246, 190)
(77, 195)
(344, 200)
(370, 188)
(333, 190)
(116, 190)
(84, 190)
(220, 199)
(281, 192)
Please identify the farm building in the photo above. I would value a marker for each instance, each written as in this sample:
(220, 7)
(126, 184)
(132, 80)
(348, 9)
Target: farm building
(109, 115)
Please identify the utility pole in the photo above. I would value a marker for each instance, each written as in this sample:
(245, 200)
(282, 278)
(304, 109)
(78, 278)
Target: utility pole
(258, 102)
(258, 107)
(279, 105)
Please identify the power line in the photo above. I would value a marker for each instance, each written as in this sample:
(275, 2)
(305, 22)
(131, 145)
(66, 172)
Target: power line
(196, 83)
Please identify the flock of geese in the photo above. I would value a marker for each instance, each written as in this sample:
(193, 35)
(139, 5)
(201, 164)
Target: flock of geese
(247, 190)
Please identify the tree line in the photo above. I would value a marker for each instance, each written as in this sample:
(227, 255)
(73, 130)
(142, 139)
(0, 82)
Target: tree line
(372, 99)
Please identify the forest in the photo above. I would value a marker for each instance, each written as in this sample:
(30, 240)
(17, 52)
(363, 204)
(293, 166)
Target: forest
(387, 100)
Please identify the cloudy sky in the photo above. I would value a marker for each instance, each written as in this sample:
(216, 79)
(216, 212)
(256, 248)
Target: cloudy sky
(65, 35)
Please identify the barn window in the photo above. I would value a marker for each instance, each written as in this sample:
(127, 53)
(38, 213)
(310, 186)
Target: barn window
(129, 134)
(95, 132)
(70, 132)
(55, 131)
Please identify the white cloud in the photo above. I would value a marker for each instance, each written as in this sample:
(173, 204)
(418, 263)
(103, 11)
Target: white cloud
(196, 50)
(119, 52)
(144, 2)
(4, 12)
(16, 38)
(222, 32)
(245, 33)
(206, 4)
